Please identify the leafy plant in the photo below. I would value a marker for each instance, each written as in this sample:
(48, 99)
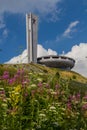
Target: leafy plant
(35, 100)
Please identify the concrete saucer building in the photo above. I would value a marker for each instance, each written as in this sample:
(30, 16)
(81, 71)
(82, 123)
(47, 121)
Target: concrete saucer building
(54, 61)
(57, 61)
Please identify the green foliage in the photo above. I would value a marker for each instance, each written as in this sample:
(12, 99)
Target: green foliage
(33, 97)
(74, 76)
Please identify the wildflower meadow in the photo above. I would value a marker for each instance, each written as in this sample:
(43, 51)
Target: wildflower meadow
(33, 101)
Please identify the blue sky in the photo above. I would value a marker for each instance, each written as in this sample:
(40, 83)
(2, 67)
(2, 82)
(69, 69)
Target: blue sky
(62, 26)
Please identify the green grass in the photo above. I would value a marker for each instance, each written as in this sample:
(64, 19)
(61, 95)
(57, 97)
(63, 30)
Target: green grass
(35, 97)
(49, 75)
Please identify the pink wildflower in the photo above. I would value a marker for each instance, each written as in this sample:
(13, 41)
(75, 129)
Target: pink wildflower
(5, 75)
(78, 95)
(72, 98)
(11, 81)
(18, 72)
(84, 107)
(2, 92)
(16, 76)
(39, 84)
(69, 105)
(25, 82)
(57, 86)
(85, 97)
(47, 86)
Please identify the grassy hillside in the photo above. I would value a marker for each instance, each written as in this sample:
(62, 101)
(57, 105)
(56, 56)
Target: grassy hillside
(52, 76)
(49, 73)
(36, 68)
(35, 97)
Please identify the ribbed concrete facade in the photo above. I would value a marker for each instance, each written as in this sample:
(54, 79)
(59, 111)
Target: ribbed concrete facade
(57, 61)
(32, 37)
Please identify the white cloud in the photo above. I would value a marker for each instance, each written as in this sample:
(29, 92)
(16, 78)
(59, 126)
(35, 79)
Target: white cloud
(43, 7)
(43, 52)
(70, 29)
(51, 52)
(79, 53)
(68, 32)
(23, 57)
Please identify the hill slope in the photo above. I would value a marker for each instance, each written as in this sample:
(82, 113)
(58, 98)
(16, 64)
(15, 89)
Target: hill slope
(50, 75)
(35, 97)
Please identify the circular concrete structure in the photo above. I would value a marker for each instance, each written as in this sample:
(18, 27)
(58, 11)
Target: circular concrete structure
(62, 62)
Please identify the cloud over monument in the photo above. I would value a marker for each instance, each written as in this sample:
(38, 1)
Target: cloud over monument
(43, 7)
(22, 58)
(69, 31)
(79, 53)
(71, 28)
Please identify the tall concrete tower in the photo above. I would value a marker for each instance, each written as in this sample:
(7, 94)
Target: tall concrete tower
(32, 38)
